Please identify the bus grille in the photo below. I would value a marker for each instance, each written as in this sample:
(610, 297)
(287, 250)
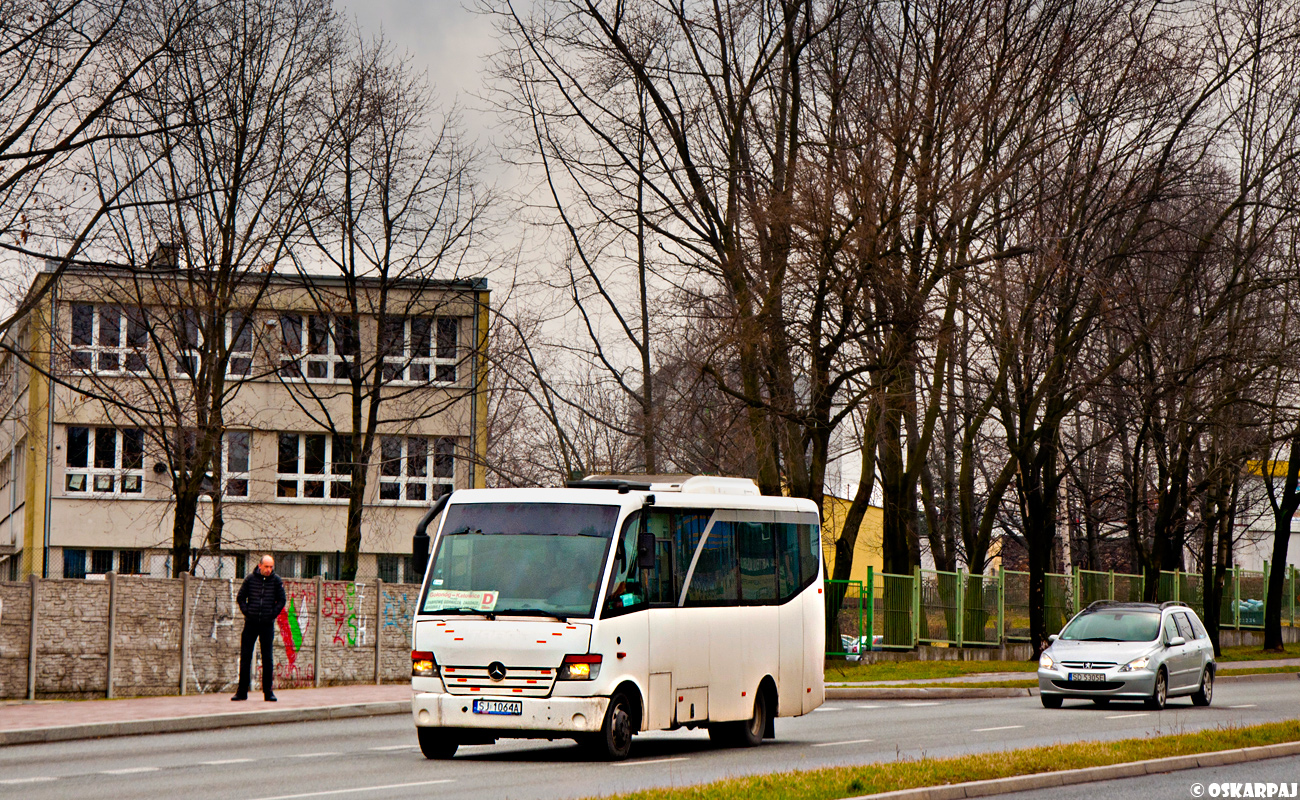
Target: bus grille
(518, 681)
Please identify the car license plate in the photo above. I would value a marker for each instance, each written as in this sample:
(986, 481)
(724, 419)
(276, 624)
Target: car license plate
(1087, 676)
(509, 707)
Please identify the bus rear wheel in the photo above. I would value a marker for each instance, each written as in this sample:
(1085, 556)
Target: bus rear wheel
(746, 733)
(436, 743)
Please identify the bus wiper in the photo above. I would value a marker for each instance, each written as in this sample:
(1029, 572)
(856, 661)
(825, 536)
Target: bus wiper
(530, 612)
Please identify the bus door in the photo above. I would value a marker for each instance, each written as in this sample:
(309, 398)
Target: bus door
(679, 637)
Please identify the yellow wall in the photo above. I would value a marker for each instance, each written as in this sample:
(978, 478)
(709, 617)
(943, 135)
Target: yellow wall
(870, 545)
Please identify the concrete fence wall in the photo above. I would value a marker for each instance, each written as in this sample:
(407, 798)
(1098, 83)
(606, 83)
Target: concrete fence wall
(129, 636)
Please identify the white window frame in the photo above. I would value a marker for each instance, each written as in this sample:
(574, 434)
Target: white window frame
(408, 473)
(122, 350)
(241, 360)
(102, 481)
(435, 362)
(328, 479)
(228, 474)
(298, 362)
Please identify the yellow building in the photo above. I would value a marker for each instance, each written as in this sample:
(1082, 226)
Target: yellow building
(869, 551)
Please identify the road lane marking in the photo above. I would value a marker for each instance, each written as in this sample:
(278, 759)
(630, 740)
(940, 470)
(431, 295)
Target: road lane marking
(1247, 705)
(226, 761)
(651, 761)
(315, 755)
(825, 708)
(1000, 728)
(850, 741)
(918, 705)
(357, 789)
(1126, 716)
(396, 747)
(40, 779)
(866, 706)
(129, 770)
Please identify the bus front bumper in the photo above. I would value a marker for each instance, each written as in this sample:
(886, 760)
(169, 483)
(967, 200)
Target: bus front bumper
(565, 716)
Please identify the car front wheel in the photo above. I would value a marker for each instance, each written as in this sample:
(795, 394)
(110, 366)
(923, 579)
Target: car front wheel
(1205, 694)
(1160, 694)
(1050, 700)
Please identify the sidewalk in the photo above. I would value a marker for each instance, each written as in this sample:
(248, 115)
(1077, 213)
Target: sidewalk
(60, 720)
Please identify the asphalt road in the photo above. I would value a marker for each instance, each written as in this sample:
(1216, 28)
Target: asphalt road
(376, 757)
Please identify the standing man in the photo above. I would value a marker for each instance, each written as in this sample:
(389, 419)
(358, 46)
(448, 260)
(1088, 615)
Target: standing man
(261, 599)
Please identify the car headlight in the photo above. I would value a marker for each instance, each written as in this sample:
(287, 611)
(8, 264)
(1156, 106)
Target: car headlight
(1136, 664)
(1045, 662)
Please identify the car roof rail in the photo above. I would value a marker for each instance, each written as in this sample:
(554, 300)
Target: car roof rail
(1169, 603)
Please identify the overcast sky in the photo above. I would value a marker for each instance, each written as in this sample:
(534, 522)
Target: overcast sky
(442, 37)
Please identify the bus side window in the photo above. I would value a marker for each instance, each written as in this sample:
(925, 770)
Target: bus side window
(787, 558)
(716, 578)
(688, 527)
(625, 587)
(658, 582)
(757, 561)
(810, 552)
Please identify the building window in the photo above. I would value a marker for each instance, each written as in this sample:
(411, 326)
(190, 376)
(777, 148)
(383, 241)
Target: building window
(314, 465)
(419, 349)
(74, 563)
(189, 342)
(129, 562)
(396, 568)
(317, 347)
(239, 340)
(105, 461)
(108, 339)
(101, 562)
(235, 446)
(416, 469)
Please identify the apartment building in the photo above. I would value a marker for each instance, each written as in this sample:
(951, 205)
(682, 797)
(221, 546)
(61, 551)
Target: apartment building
(101, 377)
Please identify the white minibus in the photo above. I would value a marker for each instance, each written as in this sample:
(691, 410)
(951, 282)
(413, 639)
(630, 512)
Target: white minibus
(611, 607)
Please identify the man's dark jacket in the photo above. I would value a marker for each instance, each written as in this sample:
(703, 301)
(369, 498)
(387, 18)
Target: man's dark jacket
(261, 596)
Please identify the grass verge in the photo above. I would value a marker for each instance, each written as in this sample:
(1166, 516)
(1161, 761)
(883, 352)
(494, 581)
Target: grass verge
(839, 782)
(920, 670)
(1258, 671)
(1252, 653)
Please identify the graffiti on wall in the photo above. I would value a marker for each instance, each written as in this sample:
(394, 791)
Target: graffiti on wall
(340, 612)
(399, 607)
(294, 625)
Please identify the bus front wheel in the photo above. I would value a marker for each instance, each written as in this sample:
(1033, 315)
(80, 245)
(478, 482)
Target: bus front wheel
(614, 741)
(435, 743)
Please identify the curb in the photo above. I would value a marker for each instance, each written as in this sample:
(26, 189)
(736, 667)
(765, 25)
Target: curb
(136, 727)
(1050, 780)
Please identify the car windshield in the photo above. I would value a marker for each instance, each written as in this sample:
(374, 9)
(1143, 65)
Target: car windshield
(542, 559)
(1113, 626)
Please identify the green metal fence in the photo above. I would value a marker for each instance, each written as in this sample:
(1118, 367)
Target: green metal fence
(957, 609)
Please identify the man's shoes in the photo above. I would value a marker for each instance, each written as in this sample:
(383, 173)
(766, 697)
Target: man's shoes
(240, 697)
(270, 698)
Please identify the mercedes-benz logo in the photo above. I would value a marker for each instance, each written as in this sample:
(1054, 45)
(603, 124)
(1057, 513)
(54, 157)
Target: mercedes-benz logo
(496, 671)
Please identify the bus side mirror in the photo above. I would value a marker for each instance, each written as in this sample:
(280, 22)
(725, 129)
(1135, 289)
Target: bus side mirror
(645, 551)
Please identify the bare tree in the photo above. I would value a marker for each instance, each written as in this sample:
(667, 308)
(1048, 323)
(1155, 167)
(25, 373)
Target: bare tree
(398, 208)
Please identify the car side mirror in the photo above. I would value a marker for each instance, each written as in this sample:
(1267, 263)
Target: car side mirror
(1052, 637)
(1176, 641)
(645, 550)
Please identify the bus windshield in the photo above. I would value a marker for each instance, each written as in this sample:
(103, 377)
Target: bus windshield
(540, 559)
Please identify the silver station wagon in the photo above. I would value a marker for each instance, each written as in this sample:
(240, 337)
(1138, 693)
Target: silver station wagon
(1129, 651)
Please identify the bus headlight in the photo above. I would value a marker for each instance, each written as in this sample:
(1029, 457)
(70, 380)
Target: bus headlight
(423, 665)
(579, 668)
